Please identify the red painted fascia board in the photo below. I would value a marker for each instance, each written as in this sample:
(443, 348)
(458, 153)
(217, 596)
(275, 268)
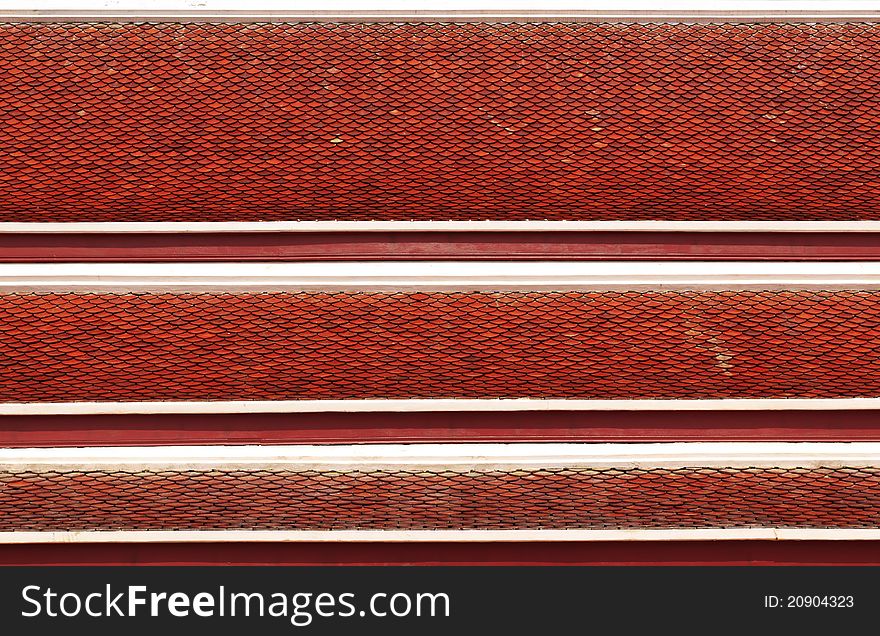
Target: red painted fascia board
(736, 552)
(402, 245)
(445, 427)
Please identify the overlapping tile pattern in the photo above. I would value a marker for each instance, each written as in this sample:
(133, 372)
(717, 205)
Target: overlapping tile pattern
(210, 122)
(298, 346)
(846, 497)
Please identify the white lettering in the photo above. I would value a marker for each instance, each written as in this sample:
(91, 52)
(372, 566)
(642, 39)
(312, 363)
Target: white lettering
(24, 595)
(178, 604)
(134, 600)
(203, 604)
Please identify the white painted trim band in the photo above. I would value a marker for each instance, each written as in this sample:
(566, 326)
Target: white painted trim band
(444, 536)
(445, 457)
(436, 276)
(434, 405)
(794, 13)
(173, 227)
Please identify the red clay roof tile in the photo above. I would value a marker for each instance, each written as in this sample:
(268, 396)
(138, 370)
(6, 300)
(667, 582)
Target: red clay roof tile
(844, 497)
(299, 346)
(209, 122)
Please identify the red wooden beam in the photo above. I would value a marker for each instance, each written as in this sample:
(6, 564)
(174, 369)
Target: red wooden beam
(447, 427)
(294, 246)
(735, 552)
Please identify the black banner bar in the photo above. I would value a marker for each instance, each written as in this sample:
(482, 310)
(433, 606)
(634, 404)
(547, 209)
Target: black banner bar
(434, 600)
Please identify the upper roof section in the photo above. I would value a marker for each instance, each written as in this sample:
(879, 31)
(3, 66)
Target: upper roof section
(254, 121)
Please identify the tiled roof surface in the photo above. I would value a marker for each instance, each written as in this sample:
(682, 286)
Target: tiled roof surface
(590, 345)
(208, 122)
(535, 498)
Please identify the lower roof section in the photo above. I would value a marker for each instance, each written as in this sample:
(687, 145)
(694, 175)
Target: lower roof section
(535, 498)
(483, 487)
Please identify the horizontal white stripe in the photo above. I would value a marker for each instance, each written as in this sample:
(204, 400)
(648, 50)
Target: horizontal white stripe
(457, 457)
(171, 227)
(204, 6)
(649, 17)
(444, 536)
(450, 10)
(437, 276)
(429, 405)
